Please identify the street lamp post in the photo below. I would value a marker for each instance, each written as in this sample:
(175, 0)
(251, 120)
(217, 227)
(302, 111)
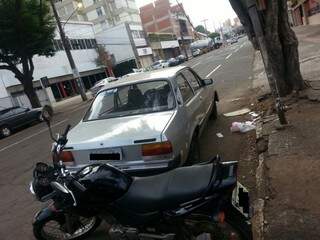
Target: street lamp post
(66, 45)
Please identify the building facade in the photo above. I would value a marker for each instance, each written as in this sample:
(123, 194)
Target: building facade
(304, 12)
(128, 45)
(161, 17)
(103, 14)
(57, 69)
(106, 16)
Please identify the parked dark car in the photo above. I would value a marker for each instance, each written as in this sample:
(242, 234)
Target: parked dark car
(15, 117)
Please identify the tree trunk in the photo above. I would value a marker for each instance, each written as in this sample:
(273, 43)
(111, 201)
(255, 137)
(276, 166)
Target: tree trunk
(30, 92)
(276, 60)
(280, 45)
(290, 49)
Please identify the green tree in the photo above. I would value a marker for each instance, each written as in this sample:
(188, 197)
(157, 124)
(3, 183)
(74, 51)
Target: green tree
(201, 29)
(26, 29)
(213, 35)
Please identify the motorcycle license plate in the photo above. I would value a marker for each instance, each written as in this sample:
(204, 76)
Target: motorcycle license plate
(240, 200)
(112, 154)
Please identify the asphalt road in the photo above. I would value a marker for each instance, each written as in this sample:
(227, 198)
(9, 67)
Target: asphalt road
(230, 67)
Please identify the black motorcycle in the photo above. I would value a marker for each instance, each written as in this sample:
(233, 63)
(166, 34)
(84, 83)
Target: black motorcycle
(203, 201)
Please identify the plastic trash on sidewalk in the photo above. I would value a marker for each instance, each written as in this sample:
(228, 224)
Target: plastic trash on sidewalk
(242, 127)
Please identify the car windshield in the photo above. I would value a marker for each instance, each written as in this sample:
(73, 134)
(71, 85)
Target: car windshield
(133, 99)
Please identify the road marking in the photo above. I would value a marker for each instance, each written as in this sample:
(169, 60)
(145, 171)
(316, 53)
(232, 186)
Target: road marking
(219, 66)
(237, 50)
(229, 56)
(195, 65)
(31, 136)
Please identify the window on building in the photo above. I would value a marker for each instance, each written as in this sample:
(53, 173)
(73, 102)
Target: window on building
(88, 43)
(95, 1)
(94, 43)
(82, 44)
(57, 43)
(99, 11)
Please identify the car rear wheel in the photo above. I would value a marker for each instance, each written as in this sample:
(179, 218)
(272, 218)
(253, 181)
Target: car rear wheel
(214, 111)
(194, 152)
(5, 131)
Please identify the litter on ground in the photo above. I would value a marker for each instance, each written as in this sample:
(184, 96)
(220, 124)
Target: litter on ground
(237, 113)
(242, 127)
(219, 135)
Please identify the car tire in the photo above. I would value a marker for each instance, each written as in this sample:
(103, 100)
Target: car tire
(194, 152)
(214, 111)
(5, 131)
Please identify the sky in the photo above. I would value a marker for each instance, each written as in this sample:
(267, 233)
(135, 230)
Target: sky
(216, 11)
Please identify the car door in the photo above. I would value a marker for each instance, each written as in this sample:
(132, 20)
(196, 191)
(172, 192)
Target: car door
(200, 100)
(188, 105)
(22, 116)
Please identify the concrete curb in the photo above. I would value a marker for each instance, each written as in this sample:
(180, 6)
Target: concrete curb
(259, 203)
(309, 59)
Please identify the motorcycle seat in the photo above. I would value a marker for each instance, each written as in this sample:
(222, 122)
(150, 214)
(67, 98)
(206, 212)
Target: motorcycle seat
(166, 191)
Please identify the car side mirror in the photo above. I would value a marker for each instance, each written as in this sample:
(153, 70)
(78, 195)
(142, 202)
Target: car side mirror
(207, 82)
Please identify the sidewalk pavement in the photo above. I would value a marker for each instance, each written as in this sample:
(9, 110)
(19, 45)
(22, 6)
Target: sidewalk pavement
(289, 191)
(70, 103)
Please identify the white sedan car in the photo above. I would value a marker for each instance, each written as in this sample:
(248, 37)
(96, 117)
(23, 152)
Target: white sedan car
(145, 122)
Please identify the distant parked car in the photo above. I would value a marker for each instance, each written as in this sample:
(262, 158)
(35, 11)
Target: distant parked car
(15, 117)
(173, 62)
(147, 122)
(160, 64)
(196, 52)
(232, 40)
(100, 84)
(181, 58)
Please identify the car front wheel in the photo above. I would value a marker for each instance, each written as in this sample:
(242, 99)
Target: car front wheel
(5, 131)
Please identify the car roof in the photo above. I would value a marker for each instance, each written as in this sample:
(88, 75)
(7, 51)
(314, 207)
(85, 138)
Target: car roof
(164, 73)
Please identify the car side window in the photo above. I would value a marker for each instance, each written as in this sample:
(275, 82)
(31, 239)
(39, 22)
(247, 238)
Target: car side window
(193, 80)
(185, 88)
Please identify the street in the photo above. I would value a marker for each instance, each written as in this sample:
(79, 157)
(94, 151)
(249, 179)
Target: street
(230, 67)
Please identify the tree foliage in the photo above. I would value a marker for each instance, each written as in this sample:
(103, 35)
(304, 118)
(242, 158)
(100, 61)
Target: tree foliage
(214, 35)
(201, 29)
(26, 29)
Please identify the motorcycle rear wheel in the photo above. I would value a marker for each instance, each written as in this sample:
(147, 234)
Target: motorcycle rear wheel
(53, 229)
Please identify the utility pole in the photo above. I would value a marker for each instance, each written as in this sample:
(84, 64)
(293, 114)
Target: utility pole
(205, 24)
(66, 45)
(183, 45)
(258, 30)
(133, 45)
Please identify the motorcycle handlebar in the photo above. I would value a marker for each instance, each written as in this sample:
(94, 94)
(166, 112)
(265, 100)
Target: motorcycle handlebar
(79, 185)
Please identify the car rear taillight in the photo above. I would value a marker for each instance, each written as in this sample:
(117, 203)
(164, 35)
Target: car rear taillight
(155, 149)
(67, 157)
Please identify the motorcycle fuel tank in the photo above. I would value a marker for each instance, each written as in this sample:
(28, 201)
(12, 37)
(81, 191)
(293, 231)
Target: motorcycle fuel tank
(104, 183)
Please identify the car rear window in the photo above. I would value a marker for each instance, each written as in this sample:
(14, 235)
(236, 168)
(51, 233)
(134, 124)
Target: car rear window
(133, 99)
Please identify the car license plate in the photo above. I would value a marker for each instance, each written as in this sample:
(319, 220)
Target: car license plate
(111, 154)
(240, 199)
